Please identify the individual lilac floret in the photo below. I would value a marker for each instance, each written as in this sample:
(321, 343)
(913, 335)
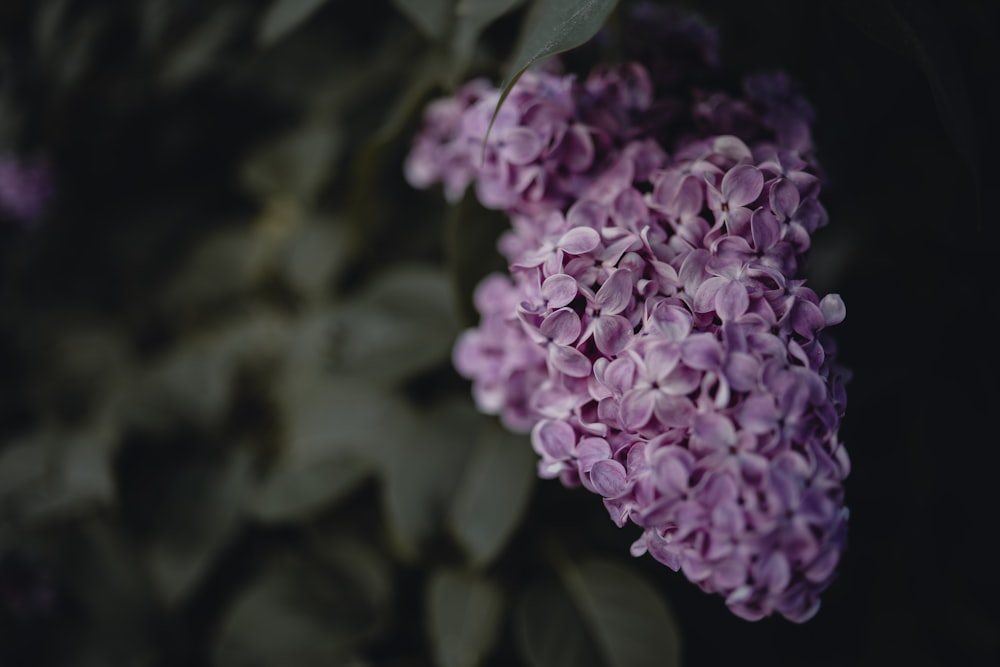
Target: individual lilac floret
(655, 334)
(24, 188)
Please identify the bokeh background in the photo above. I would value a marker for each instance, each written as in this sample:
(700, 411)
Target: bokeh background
(230, 433)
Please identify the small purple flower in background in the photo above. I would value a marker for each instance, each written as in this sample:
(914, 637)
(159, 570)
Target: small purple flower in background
(655, 335)
(24, 188)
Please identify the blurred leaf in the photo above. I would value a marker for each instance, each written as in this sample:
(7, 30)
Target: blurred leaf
(298, 489)
(368, 569)
(314, 256)
(630, 622)
(154, 19)
(295, 613)
(296, 163)
(283, 17)
(431, 17)
(428, 73)
(57, 474)
(403, 323)
(336, 432)
(550, 632)
(470, 245)
(472, 17)
(420, 472)
(463, 615)
(551, 27)
(345, 416)
(216, 270)
(50, 22)
(194, 384)
(198, 54)
(201, 516)
(493, 493)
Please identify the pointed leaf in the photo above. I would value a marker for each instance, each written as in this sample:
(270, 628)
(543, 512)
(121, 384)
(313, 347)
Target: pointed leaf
(420, 472)
(201, 516)
(631, 623)
(550, 632)
(298, 490)
(463, 613)
(472, 17)
(296, 613)
(493, 494)
(402, 324)
(553, 26)
(431, 17)
(283, 17)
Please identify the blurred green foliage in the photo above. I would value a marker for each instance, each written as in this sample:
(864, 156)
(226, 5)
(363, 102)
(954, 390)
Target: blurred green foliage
(231, 434)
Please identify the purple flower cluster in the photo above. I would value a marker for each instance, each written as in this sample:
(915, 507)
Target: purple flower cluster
(654, 334)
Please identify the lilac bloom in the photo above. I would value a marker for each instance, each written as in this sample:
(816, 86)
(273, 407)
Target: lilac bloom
(610, 330)
(740, 187)
(655, 334)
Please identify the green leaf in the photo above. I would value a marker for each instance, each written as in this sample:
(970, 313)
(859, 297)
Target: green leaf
(470, 246)
(283, 17)
(202, 515)
(198, 54)
(493, 494)
(296, 163)
(549, 630)
(553, 26)
(402, 324)
(315, 254)
(431, 17)
(336, 432)
(54, 474)
(472, 17)
(420, 472)
(296, 612)
(369, 570)
(194, 384)
(463, 614)
(631, 623)
(297, 489)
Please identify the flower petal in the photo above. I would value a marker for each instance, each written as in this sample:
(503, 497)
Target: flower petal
(637, 408)
(612, 334)
(742, 184)
(579, 240)
(702, 351)
(569, 360)
(559, 290)
(783, 198)
(520, 145)
(554, 439)
(731, 301)
(562, 327)
(609, 479)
